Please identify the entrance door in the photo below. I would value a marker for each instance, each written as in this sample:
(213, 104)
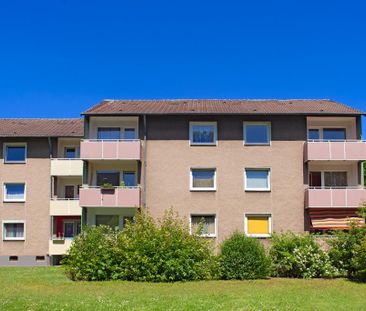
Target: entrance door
(69, 192)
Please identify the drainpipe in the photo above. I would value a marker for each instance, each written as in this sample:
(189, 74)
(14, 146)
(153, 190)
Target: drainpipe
(144, 166)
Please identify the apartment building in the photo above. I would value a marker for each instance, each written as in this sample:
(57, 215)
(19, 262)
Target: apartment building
(256, 166)
(36, 174)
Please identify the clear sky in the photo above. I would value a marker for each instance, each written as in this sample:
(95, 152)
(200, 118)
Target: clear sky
(58, 57)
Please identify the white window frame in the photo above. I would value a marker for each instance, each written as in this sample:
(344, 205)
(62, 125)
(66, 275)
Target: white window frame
(191, 188)
(193, 123)
(203, 215)
(258, 215)
(13, 222)
(14, 200)
(257, 169)
(5, 150)
(269, 133)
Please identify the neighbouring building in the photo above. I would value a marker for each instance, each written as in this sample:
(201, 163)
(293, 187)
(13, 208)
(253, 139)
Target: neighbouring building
(256, 166)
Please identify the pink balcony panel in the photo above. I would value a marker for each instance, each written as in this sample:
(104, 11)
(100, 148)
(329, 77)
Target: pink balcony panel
(346, 197)
(110, 150)
(117, 197)
(335, 150)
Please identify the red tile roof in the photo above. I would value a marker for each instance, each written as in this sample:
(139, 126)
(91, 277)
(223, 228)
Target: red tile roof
(221, 106)
(41, 128)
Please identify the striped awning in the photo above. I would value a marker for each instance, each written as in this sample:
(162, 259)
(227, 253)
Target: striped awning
(333, 219)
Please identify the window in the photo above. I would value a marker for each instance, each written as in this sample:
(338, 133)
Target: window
(71, 228)
(335, 179)
(258, 225)
(129, 179)
(334, 134)
(70, 153)
(208, 222)
(203, 133)
(129, 133)
(257, 133)
(109, 133)
(15, 153)
(14, 192)
(257, 179)
(313, 134)
(203, 180)
(315, 179)
(40, 258)
(13, 230)
(108, 178)
(107, 220)
(13, 258)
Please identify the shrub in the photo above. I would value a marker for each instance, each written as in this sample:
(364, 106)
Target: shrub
(299, 256)
(91, 255)
(359, 260)
(145, 250)
(345, 246)
(243, 258)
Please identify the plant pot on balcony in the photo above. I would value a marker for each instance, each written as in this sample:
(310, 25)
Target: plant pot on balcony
(107, 188)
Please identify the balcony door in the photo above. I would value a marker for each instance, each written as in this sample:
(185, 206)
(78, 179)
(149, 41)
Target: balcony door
(70, 192)
(109, 133)
(315, 179)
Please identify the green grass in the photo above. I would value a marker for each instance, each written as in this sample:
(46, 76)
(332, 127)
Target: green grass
(49, 289)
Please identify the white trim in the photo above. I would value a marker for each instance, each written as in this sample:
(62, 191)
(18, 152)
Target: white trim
(14, 200)
(13, 222)
(257, 169)
(193, 123)
(203, 215)
(246, 215)
(269, 133)
(5, 151)
(191, 188)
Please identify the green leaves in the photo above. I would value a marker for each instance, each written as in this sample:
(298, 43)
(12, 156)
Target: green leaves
(243, 258)
(146, 250)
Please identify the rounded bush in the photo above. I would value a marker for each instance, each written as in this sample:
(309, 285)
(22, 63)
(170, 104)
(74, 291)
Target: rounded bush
(300, 256)
(243, 258)
(146, 250)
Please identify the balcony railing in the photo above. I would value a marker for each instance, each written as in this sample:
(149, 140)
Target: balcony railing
(343, 197)
(65, 207)
(66, 167)
(59, 246)
(113, 149)
(114, 197)
(335, 150)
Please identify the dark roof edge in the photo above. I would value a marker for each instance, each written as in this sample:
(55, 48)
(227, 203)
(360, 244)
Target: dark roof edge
(228, 113)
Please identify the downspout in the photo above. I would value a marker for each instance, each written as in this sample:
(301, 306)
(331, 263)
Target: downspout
(145, 164)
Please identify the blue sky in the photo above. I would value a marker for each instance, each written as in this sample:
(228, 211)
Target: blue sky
(59, 57)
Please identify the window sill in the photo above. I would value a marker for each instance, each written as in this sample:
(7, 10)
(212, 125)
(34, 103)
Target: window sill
(15, 162)
(256, 144)
(257, 190)
(202, 190)
(259, 235)
(14, 201)
(14, 239)
(203, 144)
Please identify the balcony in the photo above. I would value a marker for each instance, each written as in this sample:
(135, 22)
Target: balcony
(65, 207)
(126, 149)
(334, 197)
(115, 197)
(352, 150)
(66, 167)
(59, 246)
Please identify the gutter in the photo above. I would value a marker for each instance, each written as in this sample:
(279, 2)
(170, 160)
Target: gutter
(144, 164)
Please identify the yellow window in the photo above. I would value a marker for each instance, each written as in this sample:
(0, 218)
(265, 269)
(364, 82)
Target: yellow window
(258, 224)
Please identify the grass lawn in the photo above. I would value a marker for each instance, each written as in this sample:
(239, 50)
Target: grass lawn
(48, 289)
